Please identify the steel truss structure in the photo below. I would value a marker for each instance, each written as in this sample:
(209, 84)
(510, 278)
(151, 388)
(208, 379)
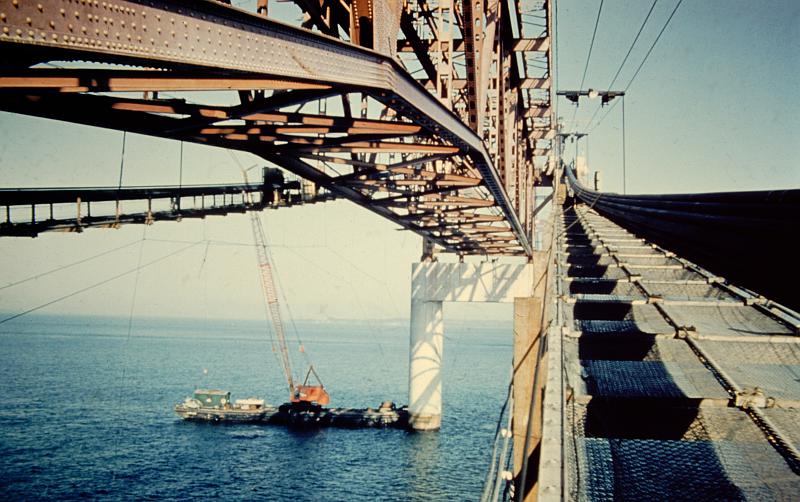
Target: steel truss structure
(435, 115)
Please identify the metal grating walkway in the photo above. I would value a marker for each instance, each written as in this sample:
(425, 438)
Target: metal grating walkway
(675, 384)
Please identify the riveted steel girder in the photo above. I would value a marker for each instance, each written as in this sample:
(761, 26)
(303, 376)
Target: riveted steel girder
(200, 44)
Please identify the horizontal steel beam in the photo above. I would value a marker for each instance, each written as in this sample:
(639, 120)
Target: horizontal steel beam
(30, 196)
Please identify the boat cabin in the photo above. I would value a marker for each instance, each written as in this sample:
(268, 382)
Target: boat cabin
(212, 398)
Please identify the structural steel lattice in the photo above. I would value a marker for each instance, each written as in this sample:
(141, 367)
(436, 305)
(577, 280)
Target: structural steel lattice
(436, 115)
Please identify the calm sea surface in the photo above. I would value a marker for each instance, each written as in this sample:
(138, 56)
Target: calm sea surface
(87, 412)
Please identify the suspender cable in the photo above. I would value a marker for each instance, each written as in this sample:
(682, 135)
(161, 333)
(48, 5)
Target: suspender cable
(180, 179)
(624, 178)
(121, 169)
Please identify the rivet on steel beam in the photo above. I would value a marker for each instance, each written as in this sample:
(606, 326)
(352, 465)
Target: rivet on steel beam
(40, 7)
(5, 30)
(28, 20)
(15, 3)
(2, 16)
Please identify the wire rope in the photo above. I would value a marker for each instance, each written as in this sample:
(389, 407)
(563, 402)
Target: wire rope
(644, 60)
(588, 56)
(625, 59)
(95, 285)
(64, 267)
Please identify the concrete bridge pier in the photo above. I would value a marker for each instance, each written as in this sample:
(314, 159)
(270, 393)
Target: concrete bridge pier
(432, 284)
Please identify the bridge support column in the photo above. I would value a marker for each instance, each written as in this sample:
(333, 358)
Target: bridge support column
(425, 365)
(432, 284)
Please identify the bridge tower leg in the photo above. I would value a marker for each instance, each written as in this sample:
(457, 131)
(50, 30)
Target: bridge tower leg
(432, 284)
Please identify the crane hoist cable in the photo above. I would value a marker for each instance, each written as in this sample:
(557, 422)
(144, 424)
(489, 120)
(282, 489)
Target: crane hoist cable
(298, 393)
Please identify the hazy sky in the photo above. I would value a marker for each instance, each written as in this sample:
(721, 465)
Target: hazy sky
(715, 108)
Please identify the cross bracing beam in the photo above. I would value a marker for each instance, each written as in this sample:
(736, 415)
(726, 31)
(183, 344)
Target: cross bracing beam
(185, 45)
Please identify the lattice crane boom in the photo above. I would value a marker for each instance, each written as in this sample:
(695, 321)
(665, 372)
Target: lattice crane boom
(270, 295)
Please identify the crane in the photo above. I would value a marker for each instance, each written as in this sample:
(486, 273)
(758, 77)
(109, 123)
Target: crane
(298, 393)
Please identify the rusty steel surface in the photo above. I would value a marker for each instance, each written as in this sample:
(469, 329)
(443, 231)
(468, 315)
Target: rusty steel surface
(426, 161)
(350, 119)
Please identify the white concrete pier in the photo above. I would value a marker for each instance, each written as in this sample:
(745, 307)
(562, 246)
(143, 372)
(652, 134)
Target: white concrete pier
(432, 284)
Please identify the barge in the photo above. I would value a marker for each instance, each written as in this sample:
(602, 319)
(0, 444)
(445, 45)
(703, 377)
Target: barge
(211, 405)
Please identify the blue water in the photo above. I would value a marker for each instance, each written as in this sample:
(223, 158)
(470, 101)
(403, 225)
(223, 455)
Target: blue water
(86, 412)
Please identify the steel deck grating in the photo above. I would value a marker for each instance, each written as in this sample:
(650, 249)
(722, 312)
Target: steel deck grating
(786, 420)
(640, 367)
(602, 287)
(671, 453)
(772, 367)
(741, 320)
(648, 417)
(596, 317)
(689, 292)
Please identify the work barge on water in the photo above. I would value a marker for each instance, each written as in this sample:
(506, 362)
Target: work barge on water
(215, 406)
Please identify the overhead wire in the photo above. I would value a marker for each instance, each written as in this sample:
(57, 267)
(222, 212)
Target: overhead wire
(654, 44)
(627, 55)
(588, 57)
(96, 284)
(69, 265)
(644, 60)
(633, 44)
(591, 45)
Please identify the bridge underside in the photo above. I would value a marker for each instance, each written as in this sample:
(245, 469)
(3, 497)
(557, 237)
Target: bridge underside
(350, 119)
